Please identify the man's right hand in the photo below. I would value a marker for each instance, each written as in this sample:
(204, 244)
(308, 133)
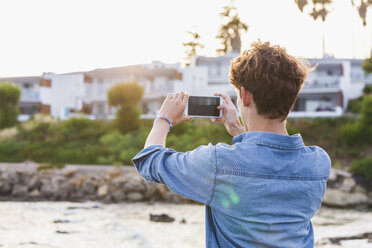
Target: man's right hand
(229, 117)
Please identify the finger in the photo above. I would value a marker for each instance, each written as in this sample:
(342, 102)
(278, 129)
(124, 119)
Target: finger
(224, 97)
(169, 96)
(187, 118)
(176, 96)
(182, 95)
(185, 98)
(223, 106)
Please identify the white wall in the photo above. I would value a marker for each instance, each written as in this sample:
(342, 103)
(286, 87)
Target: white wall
(64, 93)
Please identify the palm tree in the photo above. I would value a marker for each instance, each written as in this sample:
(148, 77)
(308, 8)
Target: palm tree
(192, 46)
(229, 33)
(362, 8)
(320, 9)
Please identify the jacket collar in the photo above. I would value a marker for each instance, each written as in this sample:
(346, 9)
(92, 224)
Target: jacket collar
(271, 140)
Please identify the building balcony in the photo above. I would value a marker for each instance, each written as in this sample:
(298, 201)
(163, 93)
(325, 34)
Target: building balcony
(30, 96)
(322, 84)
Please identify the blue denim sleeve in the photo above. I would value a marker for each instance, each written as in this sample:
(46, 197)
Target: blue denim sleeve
(190, 174)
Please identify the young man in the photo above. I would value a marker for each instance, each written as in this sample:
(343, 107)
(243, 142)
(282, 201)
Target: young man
(263, 190)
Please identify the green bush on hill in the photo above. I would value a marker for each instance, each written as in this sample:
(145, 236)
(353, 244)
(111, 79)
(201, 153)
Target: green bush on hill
(360, 132)
(363, 168)
(9, 98)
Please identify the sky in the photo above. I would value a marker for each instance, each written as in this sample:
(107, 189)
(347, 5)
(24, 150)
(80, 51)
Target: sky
(61, 36)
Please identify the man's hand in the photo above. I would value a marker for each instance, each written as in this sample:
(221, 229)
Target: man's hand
(229, 117)
(173, 107)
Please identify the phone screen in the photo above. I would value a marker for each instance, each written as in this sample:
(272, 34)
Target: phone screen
(203, 106)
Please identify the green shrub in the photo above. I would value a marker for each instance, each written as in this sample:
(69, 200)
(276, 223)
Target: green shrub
(366, 111)
(126, 96)
(46, 166)
(367, 90)
(353, 134)
(9, 98)
(363, 168)
(355, 105)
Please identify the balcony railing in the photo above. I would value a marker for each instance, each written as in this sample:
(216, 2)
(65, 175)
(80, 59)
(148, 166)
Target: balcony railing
(318, 84)
(30, 95)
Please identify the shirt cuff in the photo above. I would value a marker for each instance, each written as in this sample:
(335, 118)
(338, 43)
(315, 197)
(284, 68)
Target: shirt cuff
(146, 151)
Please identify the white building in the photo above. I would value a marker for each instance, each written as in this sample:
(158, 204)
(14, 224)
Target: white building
(330, 87)
(326, 92)
(208, 75)
(29, 103)
(157, 79)
(54, 94)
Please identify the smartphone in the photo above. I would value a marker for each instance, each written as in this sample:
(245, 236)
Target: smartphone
(204, 106)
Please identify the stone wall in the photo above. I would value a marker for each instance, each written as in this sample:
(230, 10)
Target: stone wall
(22, 181)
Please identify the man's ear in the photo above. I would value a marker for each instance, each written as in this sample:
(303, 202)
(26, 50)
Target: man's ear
(246, 96)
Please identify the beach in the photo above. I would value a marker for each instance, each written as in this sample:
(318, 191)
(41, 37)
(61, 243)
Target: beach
(93, 225)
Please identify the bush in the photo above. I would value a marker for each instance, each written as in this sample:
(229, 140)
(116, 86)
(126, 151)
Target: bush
(367, 90)
(355, 105)
(353, 134)
(360, 132)
(363, 168)
(9, 98)
(127, 96)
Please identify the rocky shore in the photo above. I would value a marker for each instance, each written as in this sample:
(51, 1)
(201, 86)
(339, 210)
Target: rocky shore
(343, 191)
(76, 183)
(109, 184)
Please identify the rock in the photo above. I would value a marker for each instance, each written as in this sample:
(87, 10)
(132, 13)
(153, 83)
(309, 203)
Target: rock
(161, 218)
(332, 176)
(102, 190)
(5, 187)
(119, 182)
(134, 196)
(135, 184)
(34, 183)
(115, 172)
(20, 191)
(359, 189)
(48, 189)
(89, 188)
(342, 173)
(65, 190)
(118, 195)
(151, 191)
(61, 221)
(69, 172)
(338, 198)
(35, 193)
(369, 199)
(348, 184)
(11, 177)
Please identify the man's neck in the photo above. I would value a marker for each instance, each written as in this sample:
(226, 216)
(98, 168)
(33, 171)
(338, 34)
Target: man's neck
(261, 124)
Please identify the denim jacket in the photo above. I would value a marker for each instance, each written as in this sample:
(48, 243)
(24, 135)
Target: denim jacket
(261, 191)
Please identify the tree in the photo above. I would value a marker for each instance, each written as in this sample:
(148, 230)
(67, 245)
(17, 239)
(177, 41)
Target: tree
(192, 46)
(9, 99)
(229, 33)
(367, 65)
(320, 8)
(127, 97)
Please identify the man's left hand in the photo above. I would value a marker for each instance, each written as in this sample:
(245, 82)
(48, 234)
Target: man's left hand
(173, 107)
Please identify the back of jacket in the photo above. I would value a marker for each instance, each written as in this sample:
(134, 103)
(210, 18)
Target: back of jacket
(267, 188)
(261, 191)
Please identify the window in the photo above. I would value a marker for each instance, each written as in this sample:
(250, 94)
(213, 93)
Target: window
(45, 83)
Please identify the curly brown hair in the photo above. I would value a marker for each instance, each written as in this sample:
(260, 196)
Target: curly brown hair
(273, 77)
